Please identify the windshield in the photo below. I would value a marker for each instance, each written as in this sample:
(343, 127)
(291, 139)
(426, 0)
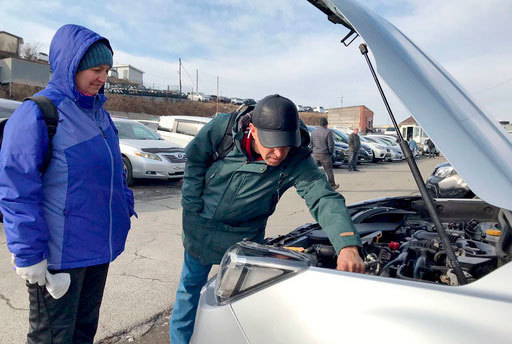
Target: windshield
(135, 131)
(339, 136)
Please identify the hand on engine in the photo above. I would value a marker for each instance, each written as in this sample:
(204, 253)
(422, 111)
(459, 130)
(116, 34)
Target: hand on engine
(349, 260)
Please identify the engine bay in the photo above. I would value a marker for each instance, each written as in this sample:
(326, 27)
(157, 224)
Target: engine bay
(401, 242)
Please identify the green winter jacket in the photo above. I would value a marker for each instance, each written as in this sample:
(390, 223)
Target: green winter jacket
(231, 199)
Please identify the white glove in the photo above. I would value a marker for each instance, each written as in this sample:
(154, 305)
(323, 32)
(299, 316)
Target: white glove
(58, 284)
(34, 273)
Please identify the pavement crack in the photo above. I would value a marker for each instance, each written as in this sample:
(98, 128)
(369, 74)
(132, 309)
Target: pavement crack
(296, 212)
(8, 302)
(142, 278)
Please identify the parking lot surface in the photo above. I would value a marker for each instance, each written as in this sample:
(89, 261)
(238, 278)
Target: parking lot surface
(142, 282)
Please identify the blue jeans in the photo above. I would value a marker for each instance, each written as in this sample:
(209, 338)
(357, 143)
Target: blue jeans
(194, 276)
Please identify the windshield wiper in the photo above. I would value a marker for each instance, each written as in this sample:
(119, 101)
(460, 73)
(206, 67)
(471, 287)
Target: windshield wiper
(419, 179)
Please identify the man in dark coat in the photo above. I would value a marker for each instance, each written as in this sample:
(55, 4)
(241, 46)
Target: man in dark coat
(322, 143)
(354, 144)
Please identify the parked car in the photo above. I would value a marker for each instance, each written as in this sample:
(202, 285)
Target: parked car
(180, 130)
(381, 151)
(153, 125)
(445, 182)
(40, 56)
(287, 290)
(213, 98)
(225, 100)
(308, 109)
(7, 107)
(365, 152)
(424, 149)
(340, 150)
(319, 109)
(237, 101)
(146, 155)
(391, 141)
(390, 131)
(300, 108)
(198, 97)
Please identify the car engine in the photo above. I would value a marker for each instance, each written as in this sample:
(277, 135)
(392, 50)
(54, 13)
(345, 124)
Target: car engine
(404, 244)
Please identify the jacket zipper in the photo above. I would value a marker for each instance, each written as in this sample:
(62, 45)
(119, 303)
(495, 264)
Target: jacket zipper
(111, 177)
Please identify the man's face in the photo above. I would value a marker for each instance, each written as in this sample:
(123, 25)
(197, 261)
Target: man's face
(356, 130)
(91, 80)
(272, 156)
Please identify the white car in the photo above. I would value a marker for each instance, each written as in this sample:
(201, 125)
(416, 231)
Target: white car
(319, 109)
(287, 289)
(181, 130)
(390, 141)
(146, 155)
(237, 101)
(198, 96)
(381, 151)
(153, 125)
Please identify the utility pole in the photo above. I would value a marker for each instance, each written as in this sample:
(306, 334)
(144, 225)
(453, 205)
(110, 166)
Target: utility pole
(197, 80)
(179, 73)
(217, 94)
(341, 101)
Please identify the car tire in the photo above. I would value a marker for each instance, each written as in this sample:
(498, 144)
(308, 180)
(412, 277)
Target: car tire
(127, 165)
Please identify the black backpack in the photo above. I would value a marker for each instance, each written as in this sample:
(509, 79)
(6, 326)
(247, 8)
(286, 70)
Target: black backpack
(51, 118)
(227, 144)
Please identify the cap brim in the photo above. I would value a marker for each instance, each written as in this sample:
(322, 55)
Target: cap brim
(278, 138)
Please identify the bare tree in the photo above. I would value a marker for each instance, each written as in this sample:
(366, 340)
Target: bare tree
(29, 50)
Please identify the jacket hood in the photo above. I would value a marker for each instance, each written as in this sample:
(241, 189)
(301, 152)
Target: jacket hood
(68, 45)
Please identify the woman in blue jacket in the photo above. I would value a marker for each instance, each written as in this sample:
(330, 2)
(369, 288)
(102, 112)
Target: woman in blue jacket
(74, 217)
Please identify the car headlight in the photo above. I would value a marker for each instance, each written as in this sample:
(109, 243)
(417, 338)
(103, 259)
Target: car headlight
(444, 171)
(148, 155)
(247, 267)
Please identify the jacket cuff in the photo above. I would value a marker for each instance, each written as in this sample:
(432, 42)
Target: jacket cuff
(345, 239)
(29, 261)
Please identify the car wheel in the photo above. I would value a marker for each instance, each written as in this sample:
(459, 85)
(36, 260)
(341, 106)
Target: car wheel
(127, 165)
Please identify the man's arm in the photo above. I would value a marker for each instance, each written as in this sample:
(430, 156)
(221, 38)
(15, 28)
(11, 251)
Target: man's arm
(199, 152)
(329, 209)
(330, 142)
(21, 192)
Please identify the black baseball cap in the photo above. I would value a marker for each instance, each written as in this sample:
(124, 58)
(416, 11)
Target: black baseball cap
(277, 121)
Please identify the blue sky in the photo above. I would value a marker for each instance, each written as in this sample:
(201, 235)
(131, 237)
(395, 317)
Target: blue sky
(283, 46)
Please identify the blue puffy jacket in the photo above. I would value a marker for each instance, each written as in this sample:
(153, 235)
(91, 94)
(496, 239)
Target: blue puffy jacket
(78, 212)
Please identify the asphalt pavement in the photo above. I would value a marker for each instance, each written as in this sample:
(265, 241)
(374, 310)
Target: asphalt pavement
(142, 282)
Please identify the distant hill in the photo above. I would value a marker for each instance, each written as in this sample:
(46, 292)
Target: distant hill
(151, 108)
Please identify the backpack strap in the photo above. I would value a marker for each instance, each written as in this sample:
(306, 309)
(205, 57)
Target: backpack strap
(51, 118)
(228, 143)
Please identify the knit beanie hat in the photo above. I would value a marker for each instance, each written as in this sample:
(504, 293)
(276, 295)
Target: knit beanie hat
(97, 54)
(323, 121)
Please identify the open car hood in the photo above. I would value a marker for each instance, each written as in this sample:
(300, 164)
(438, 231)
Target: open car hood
(473, 142)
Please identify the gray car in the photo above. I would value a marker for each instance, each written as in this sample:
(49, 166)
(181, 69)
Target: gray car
(146, 155)
(288, 291)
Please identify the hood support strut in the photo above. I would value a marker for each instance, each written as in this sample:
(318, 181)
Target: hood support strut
(419, 179)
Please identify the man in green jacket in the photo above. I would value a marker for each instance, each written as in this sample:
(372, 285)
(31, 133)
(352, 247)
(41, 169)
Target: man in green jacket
(230, 200)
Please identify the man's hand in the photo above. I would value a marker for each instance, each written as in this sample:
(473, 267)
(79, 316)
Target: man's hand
(349, 260)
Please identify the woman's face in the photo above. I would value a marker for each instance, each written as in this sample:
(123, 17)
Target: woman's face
(90, 80)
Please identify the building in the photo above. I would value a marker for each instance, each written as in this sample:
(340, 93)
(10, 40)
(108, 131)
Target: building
(352, 117)
(410, 128)
(19, 71)
(130, 73)
(10, 45)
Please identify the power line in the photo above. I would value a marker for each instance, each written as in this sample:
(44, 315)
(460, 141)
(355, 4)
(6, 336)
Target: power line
(495, 86)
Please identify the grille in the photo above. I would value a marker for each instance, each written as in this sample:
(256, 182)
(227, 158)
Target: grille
(176, 158)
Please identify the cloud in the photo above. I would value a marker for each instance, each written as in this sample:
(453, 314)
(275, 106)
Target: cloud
(285, 46)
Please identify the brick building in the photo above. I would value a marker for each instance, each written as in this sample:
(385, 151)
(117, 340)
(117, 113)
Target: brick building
(352, 117)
